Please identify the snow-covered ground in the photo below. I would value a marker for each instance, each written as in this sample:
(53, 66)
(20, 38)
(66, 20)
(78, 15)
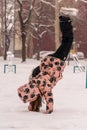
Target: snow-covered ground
(70, 100)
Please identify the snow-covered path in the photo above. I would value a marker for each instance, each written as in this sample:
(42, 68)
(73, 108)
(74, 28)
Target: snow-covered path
(70, 101)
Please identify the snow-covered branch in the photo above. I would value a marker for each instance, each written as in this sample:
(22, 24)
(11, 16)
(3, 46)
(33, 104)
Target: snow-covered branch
(27, 20)
(59, 0)
(69, 11)
(36, 12)
(47, 3)
(20, 4)
(33, 36)
(41, 35)
(85, 1)
(44, 25)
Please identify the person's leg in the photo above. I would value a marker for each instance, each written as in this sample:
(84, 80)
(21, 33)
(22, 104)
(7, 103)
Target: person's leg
(67, 38)
(49, 102)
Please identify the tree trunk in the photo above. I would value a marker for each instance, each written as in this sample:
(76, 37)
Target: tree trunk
(23, 47)
(30, 46)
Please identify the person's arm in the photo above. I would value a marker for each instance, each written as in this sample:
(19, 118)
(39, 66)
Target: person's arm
(36, 71)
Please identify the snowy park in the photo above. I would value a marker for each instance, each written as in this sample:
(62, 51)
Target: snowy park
(70, 100)
(29, 29)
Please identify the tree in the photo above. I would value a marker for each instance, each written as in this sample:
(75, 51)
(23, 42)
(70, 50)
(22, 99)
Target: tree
(38, 26)
(43, 15)
(43, 23)
(7, 25)
(24, 22)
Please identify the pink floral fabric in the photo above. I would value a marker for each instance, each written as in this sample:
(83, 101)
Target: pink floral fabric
(51, 69)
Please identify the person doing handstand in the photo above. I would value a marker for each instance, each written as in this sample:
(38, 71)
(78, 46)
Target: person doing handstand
(49, 72)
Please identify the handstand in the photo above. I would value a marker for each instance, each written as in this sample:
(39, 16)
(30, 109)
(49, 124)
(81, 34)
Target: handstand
(49, 72)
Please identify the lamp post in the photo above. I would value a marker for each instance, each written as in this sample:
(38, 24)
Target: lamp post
(56, 24)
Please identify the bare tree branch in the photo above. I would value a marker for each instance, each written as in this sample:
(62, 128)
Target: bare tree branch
(47, 3)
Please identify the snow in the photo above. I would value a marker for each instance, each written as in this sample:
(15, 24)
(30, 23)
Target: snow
(47, 3)
(70, 100)
(85, 1)
(69, 11)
